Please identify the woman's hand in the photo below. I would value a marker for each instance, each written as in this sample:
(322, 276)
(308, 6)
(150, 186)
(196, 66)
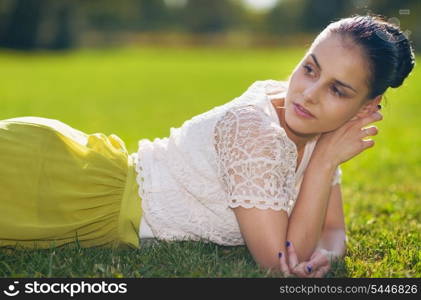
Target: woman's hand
(342, 144)
(318, 265)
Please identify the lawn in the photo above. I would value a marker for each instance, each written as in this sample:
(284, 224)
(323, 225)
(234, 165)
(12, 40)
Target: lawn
(142, 92)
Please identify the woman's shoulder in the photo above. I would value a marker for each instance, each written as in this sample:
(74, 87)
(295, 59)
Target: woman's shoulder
(251, 119)
(253, 102)
(269, 85)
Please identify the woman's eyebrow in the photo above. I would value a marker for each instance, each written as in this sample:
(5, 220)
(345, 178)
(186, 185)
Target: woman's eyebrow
(315, 61)
(336, 81)
(346, 85)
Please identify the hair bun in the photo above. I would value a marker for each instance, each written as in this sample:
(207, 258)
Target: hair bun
(405, 51)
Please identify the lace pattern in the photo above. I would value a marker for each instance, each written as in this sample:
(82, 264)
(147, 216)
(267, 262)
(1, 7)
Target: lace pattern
(256, 163)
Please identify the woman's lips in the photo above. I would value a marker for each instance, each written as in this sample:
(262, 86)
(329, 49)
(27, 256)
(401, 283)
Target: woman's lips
(302, 111)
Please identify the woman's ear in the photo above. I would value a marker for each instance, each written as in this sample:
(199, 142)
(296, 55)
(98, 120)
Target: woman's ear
(369, 108)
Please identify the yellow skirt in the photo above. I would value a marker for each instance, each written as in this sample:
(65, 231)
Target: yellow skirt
(59, 185)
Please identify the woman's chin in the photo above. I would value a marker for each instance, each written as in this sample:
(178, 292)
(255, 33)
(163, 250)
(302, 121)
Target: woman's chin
(299, 127)
(296, 124)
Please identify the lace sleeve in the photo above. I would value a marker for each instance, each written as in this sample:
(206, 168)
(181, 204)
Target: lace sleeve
(337, 176)
(255, 162)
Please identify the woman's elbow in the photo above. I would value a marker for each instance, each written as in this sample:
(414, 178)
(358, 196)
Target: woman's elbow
(271, 266)
(269, 260)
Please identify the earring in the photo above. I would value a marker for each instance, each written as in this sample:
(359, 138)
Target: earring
(379, 106)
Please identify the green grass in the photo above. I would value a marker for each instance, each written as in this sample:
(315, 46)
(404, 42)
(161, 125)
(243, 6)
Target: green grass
(142, 93)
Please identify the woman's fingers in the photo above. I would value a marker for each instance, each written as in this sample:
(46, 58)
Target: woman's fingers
(319, 260)
(367, 144)
(376, 116)
(292, 255)
(300, 270)
(369, 131)
(284, 265)
(296, 268)
(317, 266)
(321, 272)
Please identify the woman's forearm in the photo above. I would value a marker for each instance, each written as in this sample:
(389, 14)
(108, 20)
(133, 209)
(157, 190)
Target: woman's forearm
(305, 223)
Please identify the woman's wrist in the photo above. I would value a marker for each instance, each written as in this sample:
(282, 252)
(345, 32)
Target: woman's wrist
(323, 159)
(323, 163)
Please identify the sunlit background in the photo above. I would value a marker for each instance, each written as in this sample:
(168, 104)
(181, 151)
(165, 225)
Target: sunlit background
(68, 24)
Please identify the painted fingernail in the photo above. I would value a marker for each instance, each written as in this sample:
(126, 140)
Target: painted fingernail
(280, 254)
(287, 243)
(309, 269)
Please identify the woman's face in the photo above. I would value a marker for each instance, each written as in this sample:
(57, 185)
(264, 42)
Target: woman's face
(330, 83)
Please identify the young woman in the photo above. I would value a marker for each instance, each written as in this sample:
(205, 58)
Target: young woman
(261, 170)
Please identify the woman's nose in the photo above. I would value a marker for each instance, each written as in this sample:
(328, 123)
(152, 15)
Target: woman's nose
(311, 93)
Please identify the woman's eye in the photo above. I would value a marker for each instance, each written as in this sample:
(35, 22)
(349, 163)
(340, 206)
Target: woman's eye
(308, 69)
(337, 92)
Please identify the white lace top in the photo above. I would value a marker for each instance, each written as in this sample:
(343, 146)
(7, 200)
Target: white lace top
(236, 154)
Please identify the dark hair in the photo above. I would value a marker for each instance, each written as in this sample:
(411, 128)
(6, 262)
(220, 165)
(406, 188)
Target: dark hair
(390, 54)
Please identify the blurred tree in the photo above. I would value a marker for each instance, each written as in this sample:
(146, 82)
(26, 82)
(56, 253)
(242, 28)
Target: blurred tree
(38, 24)
(63, 36)
(285, 17)
(108, 15)
(210, 15)
(21, 30)
(57, 30)
(153, 15)
(319, 13)
(141, 15)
